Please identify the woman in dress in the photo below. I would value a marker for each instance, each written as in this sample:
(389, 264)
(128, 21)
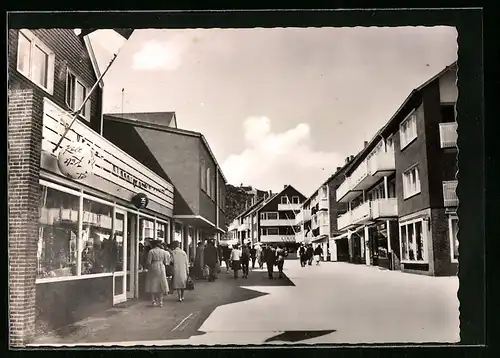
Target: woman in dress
(156, 281)
(181, 270)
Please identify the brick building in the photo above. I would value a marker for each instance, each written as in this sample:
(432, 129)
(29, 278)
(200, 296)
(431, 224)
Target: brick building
(74, 244)
(400, 189)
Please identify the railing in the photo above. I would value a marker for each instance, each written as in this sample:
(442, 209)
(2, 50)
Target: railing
(288, 207)
(448, 134)
(323, 204)
(381, 162)
(383, 208)
(344, 188)
(276, 222)
(324, 230)
(244, 227)
(303, 215)
(277, 238)
(450, 197)
(344, 220)
(360, 213)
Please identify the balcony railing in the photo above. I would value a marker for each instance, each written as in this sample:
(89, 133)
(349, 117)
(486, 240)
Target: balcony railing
(323, 204)
(324, 230)
(450, 197)
(244, 227)
(302, 216)
(369, 211)
(289, 207)
(448, 134)
(277, 222)
(277, 238)
(343, 188)
(381, 163)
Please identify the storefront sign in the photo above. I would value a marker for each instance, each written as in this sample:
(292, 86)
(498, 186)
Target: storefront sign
(76, 160)
(111, 163)
(140, 201)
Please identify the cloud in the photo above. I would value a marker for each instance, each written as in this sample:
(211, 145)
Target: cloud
(272, 160)
(155, 55)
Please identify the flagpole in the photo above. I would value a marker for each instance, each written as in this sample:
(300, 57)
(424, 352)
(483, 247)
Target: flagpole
(77, 112)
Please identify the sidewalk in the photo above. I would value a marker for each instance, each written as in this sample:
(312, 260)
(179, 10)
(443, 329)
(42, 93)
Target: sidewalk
(137, 320)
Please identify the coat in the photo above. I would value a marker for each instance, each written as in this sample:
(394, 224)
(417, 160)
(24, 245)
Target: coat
(156, 279)
(181, 269)
(211, 256)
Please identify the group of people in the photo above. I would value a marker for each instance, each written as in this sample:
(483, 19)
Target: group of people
(165, 261)
(307, 254)
(239, 256)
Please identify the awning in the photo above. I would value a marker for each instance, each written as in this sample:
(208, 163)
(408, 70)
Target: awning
(199, 222)
(343, 236)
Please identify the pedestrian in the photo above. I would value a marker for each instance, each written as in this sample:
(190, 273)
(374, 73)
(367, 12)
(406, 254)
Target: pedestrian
(181, 270)
(280, 260)
(253, 255)
(227, 258)
(270, 258)
(198, 261)
(210, 259)
(245, 260)
(302, 255)
(309, 254)
(261, 252)
(318, 252)
(156, 281)
(236, 260)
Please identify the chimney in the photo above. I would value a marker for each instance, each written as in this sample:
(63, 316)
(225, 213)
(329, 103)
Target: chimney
(352, 157)
(284, 186)
(347, 160)
(338, 168)
(365, 144)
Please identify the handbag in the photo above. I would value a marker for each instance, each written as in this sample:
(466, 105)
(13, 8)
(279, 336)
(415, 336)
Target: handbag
(189, 284)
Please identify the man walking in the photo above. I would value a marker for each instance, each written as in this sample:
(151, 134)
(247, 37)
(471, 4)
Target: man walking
(280, 259)
(211, 258)
(270, 258)
(253, 255)
(310, 254)
(302, 255)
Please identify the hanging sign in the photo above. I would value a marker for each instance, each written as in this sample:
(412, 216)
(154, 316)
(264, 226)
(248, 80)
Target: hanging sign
(140, 201)
(76, 160)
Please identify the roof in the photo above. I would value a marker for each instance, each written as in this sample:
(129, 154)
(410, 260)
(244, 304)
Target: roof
(126, 33)
(247, 211)
(373, 142)
(161, 118)
(275, 195)
(138, 123)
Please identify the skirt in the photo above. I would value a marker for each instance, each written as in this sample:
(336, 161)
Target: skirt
(236, 265)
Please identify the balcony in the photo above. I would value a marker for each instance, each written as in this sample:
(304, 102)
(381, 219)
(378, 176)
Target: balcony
(450, 197)
(277, 238)
(369, 211)
(277, 222)
(323, 204)
(448, 134)
(244, 227)
(367, 174)
(289, 207)
(324, 230)
(303, 216)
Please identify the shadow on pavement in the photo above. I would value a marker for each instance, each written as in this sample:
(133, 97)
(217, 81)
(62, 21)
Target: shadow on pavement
(297, 336)
(137, 320)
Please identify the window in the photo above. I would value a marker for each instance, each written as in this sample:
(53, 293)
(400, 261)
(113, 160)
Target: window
(389, 144)
(413, 240)
(453, 232)
(269, 216)
(99, 252)
(213, 187)
(57, 235)
(270, 231)
(76, 92)
(209, 184)
(408, 130)
(160, 231)
(203, 176)
(411, 182)
(295, 199)
(284, 200)
(35, 61)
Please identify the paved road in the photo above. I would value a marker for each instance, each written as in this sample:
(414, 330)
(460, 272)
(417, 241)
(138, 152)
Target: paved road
(355, 303)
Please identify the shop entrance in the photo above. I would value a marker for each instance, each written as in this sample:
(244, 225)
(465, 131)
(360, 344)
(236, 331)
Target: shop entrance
(132, 255)
(120, 238)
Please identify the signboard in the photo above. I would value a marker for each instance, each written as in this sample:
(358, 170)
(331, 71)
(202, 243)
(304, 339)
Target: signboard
(277, 238)
(111, 163)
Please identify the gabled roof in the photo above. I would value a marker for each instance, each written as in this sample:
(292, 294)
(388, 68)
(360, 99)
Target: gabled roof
(138, 123)
(126, 33)
(161, 118)
(395, 117)
(275, 195)
(251, 208)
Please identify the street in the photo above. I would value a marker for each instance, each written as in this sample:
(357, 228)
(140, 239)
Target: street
(331, 303)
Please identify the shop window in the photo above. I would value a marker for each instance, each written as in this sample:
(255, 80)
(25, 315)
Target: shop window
(99, 248)
(413, 241)
(453, 226)
(161, 233)
(58, 232)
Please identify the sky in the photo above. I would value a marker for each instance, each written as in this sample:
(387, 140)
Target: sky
(277, 106)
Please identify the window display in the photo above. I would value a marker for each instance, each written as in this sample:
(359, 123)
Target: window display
(99, 248)
(413, 241)
(453, 222)
(161, 232)
(57, 250)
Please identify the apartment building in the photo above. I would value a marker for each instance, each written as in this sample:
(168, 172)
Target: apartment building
(276, 218)
(317, 218)
(400, 189)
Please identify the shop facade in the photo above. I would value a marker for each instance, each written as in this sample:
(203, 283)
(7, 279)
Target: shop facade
(92, 230)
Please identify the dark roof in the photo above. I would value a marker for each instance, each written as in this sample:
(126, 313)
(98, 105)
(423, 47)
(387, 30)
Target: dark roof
(396, 117)
(160, 118)
(275, 195)
(251, 208)
(126, 33)
(138, 123)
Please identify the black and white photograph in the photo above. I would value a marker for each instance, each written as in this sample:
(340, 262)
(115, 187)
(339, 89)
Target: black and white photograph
(233, 186)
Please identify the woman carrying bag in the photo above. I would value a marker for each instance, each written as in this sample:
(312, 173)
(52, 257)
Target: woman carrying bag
(181, 279)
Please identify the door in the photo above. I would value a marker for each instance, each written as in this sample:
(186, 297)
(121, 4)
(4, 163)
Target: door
(120, 274)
